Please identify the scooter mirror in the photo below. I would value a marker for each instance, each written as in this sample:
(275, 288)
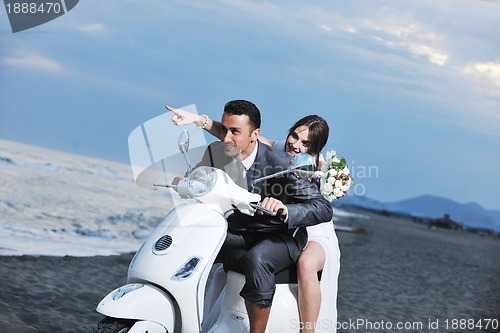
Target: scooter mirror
(183, 142)
(303, 165)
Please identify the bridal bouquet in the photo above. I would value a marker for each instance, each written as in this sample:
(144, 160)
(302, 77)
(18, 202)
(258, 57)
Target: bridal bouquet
(335, 179)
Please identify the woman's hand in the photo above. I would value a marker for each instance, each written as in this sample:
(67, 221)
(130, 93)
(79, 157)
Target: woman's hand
(182, 117)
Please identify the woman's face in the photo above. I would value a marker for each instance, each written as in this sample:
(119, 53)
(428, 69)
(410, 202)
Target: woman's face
(298, 141)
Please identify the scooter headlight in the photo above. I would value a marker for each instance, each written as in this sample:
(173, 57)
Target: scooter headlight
(201, 181)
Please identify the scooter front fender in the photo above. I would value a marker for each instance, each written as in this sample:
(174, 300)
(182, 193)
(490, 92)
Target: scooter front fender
(147, 326)
(140, 302)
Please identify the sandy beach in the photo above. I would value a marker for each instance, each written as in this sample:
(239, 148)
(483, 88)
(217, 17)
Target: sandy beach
(405, 272)
(398, 272)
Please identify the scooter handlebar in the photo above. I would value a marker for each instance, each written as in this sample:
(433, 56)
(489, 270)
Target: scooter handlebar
(257, 206)
(279, 213)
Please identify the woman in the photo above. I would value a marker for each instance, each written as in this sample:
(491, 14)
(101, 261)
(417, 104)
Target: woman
(322, 253)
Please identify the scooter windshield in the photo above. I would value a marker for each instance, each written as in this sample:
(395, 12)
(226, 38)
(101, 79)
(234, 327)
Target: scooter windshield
(155, 155)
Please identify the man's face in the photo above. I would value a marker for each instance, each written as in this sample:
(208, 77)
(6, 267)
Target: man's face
(239, 138)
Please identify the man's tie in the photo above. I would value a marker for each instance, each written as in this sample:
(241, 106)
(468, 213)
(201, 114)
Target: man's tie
(236, 171)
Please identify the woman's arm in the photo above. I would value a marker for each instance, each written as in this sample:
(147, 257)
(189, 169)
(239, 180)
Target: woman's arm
(321, 161)
(213, 127)
(266, 141)
(182, 117)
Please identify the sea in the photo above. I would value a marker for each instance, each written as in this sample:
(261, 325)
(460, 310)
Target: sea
(54, 203)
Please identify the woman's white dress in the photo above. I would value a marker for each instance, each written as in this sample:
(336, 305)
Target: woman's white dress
(324, 234)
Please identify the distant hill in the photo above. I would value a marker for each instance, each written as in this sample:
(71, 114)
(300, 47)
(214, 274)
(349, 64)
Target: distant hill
(471, 215)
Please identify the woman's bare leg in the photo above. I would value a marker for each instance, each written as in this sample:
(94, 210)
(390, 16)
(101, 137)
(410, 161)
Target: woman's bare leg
(310, 262)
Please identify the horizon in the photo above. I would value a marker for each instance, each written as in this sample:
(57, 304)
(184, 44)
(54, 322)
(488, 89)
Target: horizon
(411, 91)
(69, 153)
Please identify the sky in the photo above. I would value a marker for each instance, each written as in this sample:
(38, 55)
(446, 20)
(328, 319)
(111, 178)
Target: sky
(410, 89)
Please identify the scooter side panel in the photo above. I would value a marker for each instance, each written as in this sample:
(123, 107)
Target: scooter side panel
(196, 231)
(284, 316)
(204, 238)
(233, 317)
(147, 303)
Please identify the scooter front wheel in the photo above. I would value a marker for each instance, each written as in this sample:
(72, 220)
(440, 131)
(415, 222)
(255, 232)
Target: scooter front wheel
(114, 325)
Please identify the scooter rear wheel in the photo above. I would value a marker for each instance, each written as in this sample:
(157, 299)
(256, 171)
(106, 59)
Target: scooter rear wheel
(114, 325)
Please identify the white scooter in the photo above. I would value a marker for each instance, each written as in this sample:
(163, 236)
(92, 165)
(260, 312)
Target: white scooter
(168, 275)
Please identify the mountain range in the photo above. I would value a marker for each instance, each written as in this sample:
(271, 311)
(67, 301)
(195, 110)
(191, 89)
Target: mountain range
(470, 215)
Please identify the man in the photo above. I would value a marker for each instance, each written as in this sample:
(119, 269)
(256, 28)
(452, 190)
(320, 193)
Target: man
(261, 245)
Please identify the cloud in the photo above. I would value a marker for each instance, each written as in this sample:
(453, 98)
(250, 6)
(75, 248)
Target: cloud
(34, 61)
(394, 29)
(93, 28)
(325, 28)
(413, 38)
(350, 30)
(434, 56)
(489, 71)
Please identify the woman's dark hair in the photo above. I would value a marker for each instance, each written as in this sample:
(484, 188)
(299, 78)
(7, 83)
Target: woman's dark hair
(240, 106)
(318, 133)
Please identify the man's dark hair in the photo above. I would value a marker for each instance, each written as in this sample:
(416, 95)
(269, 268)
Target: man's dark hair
(240, 106)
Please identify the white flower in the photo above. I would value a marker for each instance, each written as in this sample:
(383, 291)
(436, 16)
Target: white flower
(327, 188)
(330, 154)
(335, 182)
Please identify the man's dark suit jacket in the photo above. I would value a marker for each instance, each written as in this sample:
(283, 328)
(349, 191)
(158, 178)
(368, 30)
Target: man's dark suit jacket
(306, 206)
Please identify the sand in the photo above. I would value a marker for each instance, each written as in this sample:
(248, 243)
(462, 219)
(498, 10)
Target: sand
(56, 294)
(398, 272)
(404, 272)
